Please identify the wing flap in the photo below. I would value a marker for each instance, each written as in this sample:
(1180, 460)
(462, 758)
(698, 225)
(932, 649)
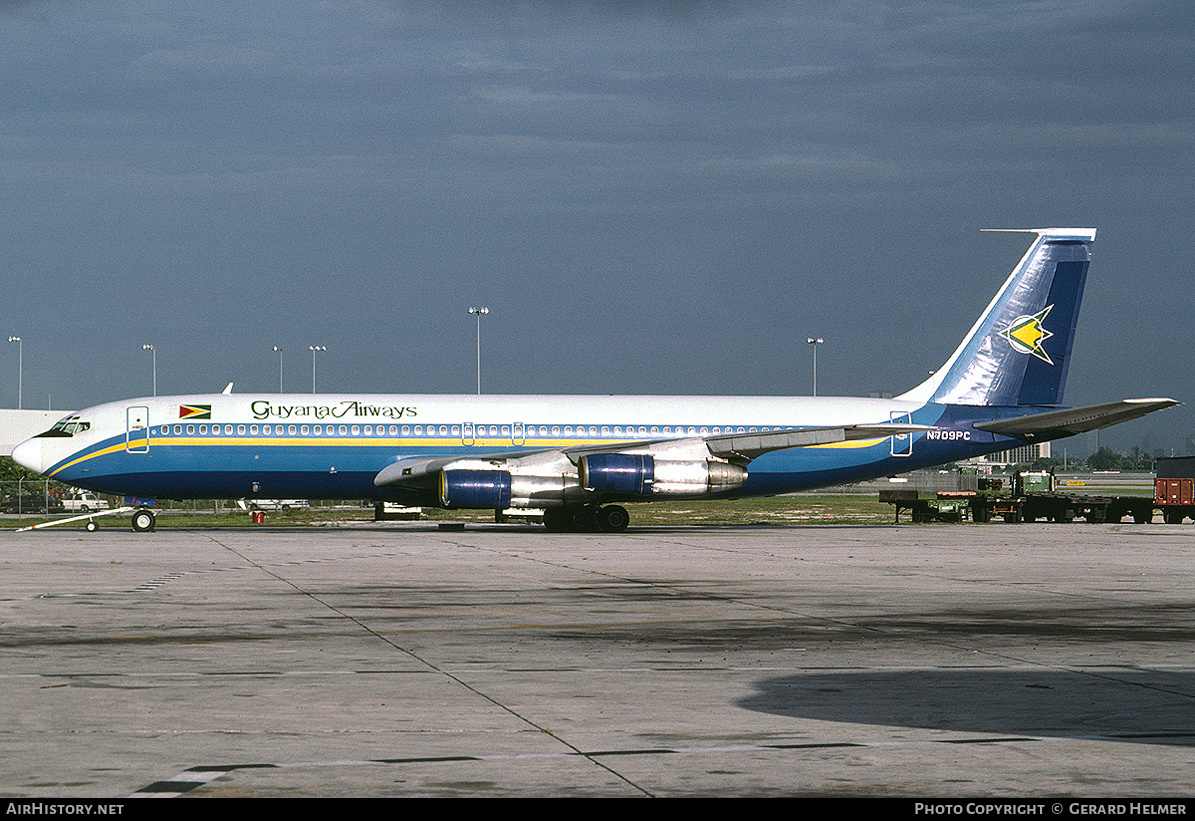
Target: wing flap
(743, 447)
(1060, 423)
(409, 472)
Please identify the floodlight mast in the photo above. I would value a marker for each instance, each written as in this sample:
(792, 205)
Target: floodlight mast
(154, 352)
(478, 312)
(815, 341)
(278, 351)
(20, 369)
(314, 350)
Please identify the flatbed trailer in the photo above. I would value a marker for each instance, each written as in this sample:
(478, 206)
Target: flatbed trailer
(982, 508)
(925, 508)
(1061, 507)
(1032, 499)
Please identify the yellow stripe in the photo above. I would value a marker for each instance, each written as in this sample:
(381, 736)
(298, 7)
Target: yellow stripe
(854, 443)
(104, 452)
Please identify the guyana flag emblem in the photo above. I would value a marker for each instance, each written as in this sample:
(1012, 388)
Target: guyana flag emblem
(194, 411)
(1026, 334)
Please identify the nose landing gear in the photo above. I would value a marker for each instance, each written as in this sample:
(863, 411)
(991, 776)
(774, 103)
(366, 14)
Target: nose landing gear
(144, 521)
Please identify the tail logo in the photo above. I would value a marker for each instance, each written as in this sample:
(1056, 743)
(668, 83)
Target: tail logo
(1026, 334)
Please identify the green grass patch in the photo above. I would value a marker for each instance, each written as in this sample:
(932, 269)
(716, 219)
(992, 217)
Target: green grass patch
(800, 509)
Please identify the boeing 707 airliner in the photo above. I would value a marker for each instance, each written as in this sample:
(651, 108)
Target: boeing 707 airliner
(581, 458)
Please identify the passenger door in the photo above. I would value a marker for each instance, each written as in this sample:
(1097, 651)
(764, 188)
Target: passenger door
(902, 443)
(137, 429)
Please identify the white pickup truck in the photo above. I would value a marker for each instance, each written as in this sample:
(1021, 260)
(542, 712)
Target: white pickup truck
(83, 502)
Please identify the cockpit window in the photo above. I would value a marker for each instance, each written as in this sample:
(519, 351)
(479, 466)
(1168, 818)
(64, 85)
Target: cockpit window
(67, 427)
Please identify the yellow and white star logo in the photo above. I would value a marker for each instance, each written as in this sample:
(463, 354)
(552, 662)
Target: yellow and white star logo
(1026, 334)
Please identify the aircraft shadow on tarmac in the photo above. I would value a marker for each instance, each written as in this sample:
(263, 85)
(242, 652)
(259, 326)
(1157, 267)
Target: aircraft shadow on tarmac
(1106, 698)
(1123, 704)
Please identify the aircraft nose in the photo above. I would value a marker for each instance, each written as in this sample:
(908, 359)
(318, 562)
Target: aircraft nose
(28, 455)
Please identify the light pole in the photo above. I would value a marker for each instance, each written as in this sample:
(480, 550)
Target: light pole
(20, 368)
(279, 352)
(478, 312)
(154, 352)
(314, 349)
(815, 342)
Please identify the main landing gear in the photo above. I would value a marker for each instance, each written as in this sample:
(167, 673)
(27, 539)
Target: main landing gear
(587, 519)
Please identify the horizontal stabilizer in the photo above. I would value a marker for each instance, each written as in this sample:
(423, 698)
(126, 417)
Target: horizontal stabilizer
(1056, 424)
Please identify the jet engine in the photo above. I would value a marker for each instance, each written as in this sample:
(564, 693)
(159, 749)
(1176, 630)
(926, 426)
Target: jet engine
(633, 474)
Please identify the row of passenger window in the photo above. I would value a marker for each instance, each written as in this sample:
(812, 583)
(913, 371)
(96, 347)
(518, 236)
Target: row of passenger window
(293, 430)
(456, 431)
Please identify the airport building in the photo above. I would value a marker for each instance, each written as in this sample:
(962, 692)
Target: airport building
(1022, 454)
(18, 425)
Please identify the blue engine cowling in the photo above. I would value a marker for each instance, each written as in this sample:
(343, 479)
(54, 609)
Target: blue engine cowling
(475, 489)
(619, 473)
(633, 474)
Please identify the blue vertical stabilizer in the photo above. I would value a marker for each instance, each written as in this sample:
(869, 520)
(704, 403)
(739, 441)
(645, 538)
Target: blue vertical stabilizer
(1019, 350)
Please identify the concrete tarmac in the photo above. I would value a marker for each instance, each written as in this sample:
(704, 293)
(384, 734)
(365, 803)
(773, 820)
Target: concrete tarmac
(400, 660)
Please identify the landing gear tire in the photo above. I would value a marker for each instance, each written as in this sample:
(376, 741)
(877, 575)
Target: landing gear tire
(613, 519)
(143, 521)
(587, 519)
(554, 520)
(92, 526)
(582, 519)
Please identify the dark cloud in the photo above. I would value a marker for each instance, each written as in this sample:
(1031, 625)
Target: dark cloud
(661, 196)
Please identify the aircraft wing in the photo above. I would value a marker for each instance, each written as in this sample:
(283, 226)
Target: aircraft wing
(741, 448)
(415, 471)
(1056, 424)
(737, 448)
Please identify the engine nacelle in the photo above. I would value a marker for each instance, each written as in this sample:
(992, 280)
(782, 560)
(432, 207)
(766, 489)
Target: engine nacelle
(701, 476)
(475, 489)
(499, 489)
(629, 474)
(619, 475)
(632, 474)
(543, 491)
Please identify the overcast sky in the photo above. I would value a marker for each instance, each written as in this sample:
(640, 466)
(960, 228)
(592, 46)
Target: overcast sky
(650, 197)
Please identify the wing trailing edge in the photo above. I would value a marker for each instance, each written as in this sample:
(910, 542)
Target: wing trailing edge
(743, 447)
(1057, 424)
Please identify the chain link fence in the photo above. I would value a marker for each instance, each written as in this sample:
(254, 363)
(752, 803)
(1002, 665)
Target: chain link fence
(39, 497)
(32, 496)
